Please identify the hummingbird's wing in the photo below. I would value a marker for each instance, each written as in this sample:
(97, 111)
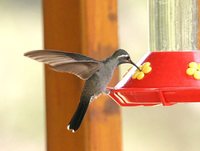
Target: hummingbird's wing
(77, 64)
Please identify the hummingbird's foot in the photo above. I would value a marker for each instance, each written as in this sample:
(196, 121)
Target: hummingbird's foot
(106, 91)
(94, 97)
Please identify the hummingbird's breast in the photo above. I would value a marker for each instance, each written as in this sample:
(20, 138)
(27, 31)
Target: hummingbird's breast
(99, 80)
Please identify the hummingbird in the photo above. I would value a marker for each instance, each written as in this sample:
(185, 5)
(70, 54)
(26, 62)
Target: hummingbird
(96, 74)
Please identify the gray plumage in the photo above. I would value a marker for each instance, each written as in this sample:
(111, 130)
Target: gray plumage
(96, 73)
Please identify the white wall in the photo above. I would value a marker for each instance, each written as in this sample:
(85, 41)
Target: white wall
(21, 79)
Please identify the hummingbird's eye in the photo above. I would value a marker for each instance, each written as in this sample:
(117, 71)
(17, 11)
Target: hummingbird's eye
(128, 58)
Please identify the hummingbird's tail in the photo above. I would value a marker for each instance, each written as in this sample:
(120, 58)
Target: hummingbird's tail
(78, 116)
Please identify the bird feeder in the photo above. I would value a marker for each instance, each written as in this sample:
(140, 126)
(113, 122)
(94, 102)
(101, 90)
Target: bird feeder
(165, 78)
(171, 76)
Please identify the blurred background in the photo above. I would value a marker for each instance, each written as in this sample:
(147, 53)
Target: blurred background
(22, 118)
(22, 110)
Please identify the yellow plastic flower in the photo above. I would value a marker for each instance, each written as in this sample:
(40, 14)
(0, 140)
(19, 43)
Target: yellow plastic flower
(145, 69)
(194, 70)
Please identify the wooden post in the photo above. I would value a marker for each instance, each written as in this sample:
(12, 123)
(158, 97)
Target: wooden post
(88, 27)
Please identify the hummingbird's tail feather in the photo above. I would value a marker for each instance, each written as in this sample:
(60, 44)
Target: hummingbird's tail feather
(78, 116)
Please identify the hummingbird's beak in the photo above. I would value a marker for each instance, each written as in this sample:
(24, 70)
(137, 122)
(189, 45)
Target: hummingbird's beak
(134, 65)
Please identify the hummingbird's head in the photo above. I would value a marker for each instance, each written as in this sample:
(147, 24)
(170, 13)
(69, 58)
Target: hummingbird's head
(123, 57)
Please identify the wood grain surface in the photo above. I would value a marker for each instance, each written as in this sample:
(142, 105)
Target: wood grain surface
(88, 27)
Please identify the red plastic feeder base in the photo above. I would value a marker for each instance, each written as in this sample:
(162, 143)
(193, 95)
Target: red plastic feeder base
(174, 78)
